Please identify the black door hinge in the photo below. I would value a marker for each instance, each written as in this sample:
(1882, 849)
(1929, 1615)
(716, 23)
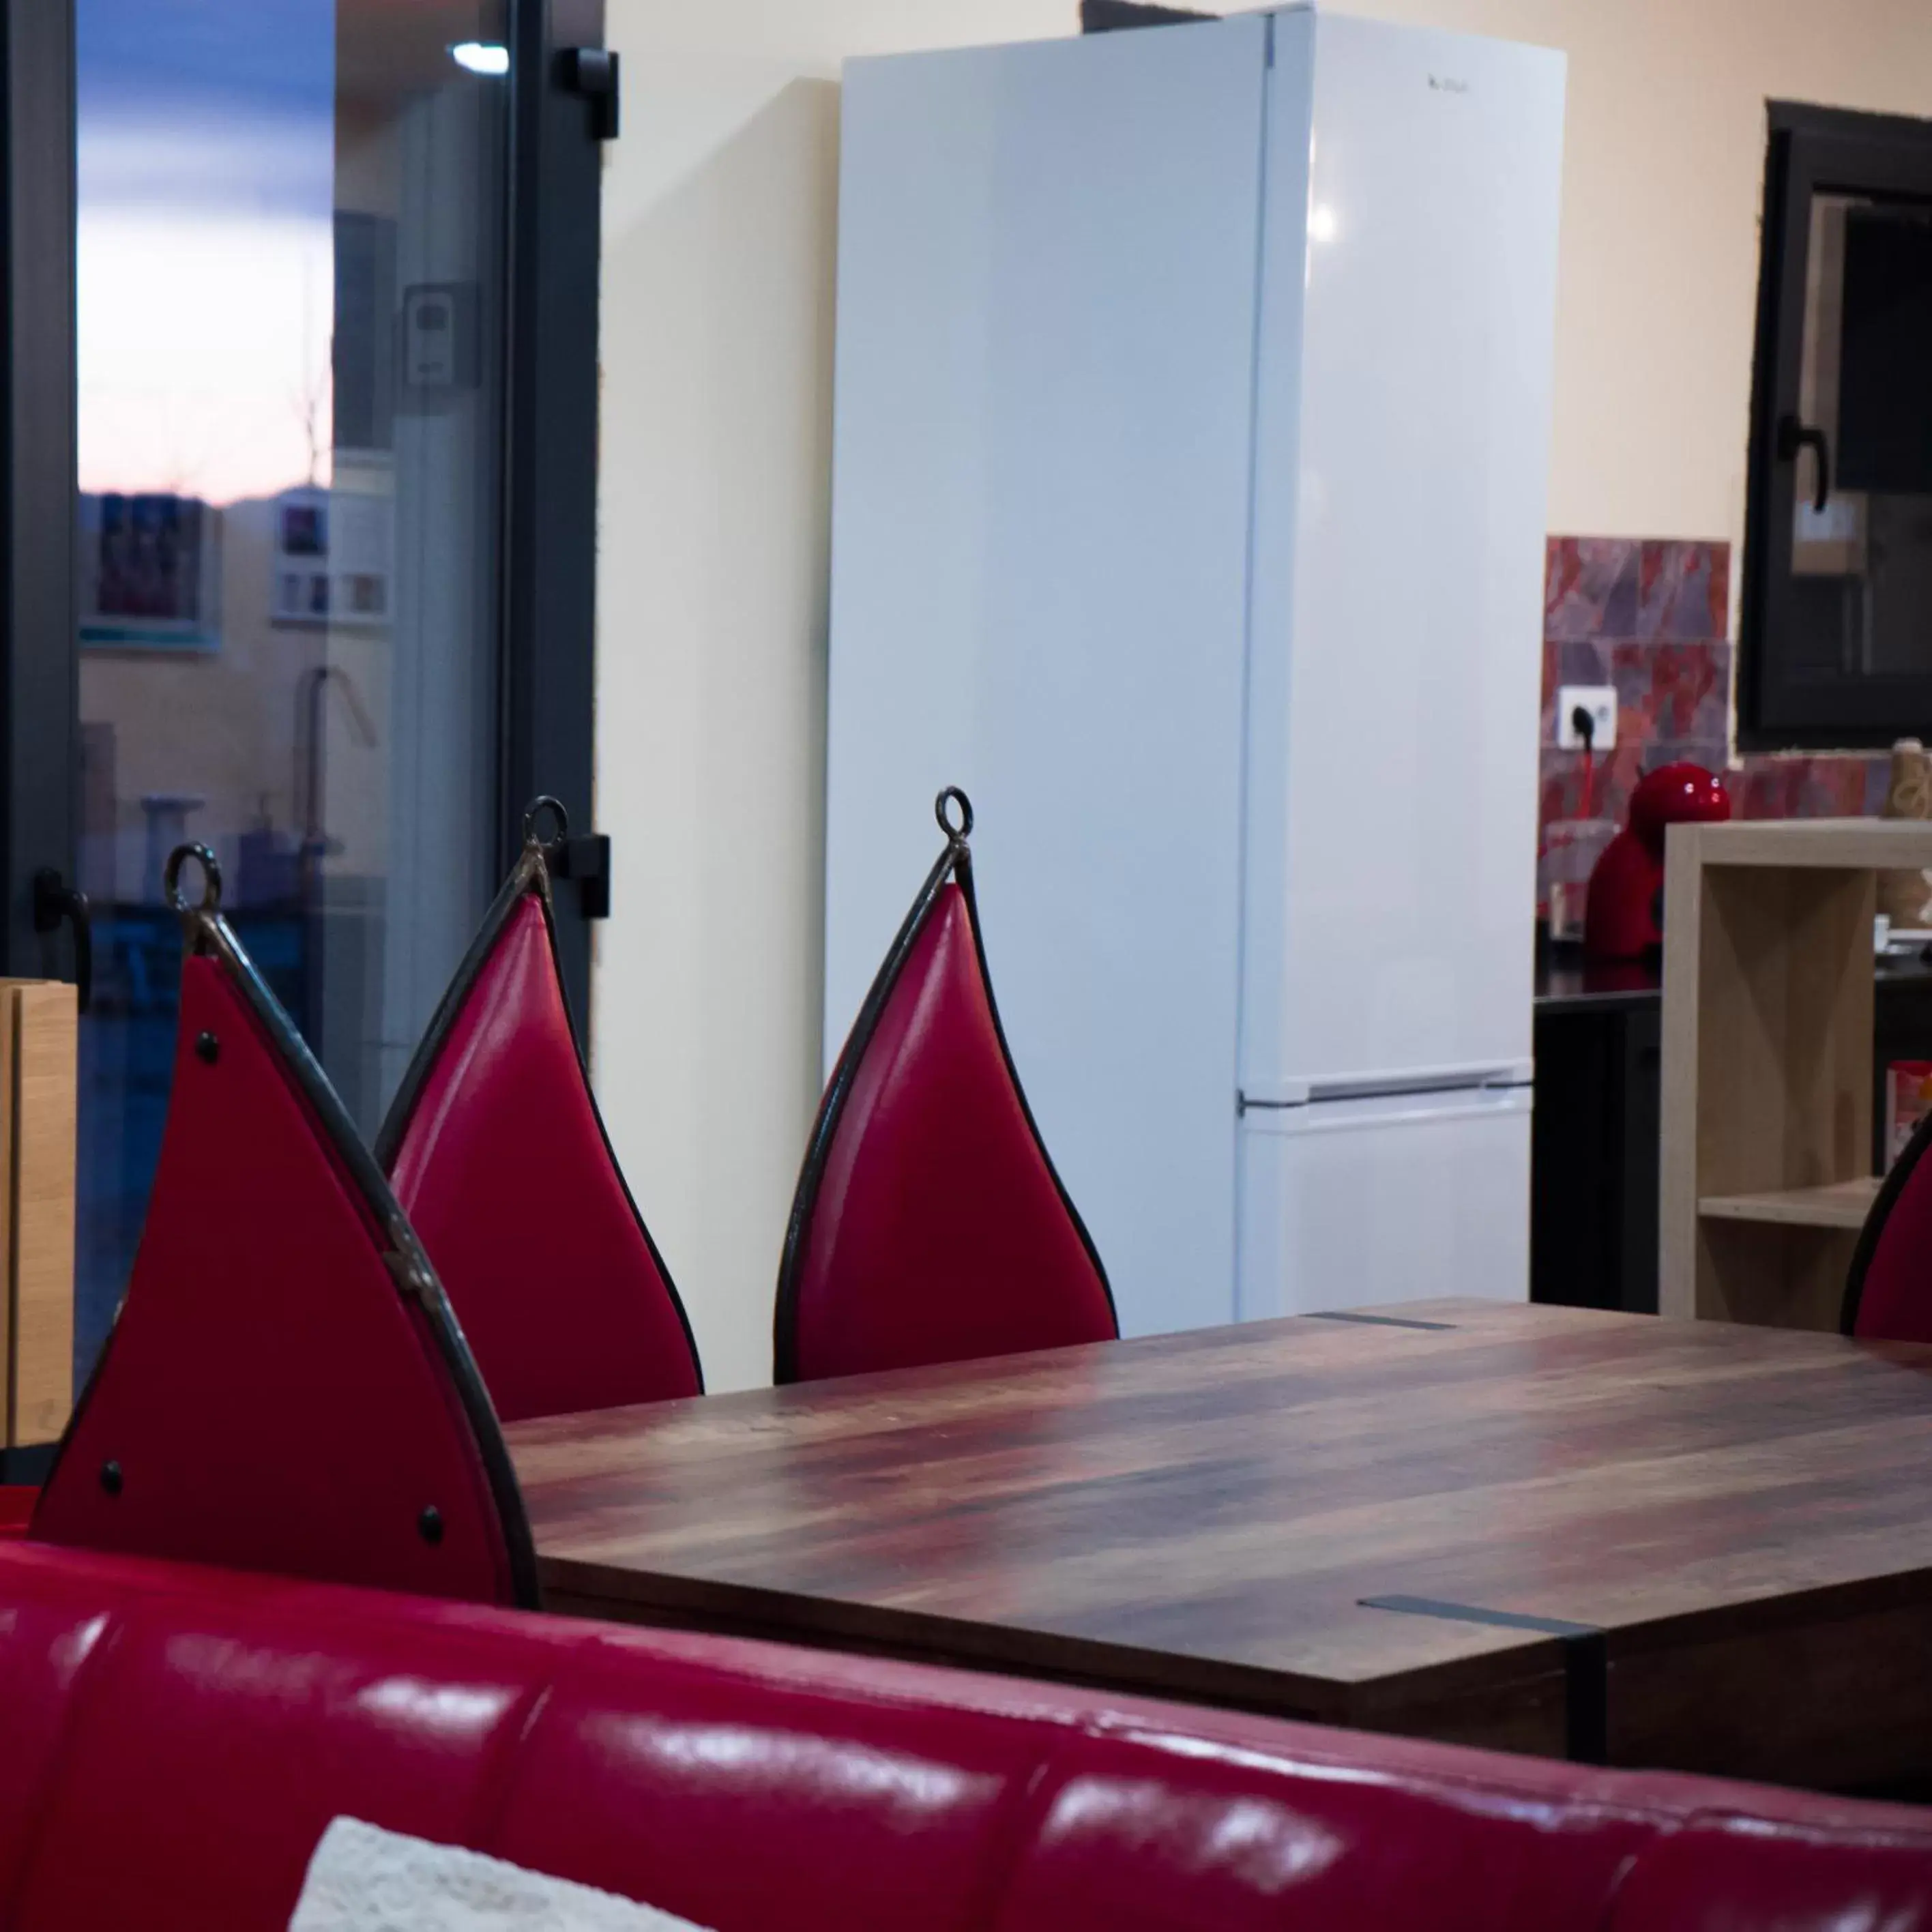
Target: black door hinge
(586, 861)
(593, 73)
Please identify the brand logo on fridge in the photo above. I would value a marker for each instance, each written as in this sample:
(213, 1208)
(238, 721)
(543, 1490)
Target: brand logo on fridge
(1443, 83)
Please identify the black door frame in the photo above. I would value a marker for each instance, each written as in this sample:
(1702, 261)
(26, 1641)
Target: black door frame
(562, 108)
(39, 764)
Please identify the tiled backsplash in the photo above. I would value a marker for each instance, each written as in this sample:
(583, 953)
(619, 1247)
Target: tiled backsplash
(1648, 617)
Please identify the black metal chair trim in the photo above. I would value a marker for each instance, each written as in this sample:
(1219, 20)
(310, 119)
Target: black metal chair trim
(530, 876)
(206, 934)
(955, 863)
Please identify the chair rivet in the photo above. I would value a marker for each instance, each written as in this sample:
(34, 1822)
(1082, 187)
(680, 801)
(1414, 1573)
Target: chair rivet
(208, 1047)
(429, 1525)
(110, 1478)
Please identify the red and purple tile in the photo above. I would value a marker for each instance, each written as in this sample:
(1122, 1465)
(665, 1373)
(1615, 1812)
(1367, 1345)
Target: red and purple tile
(1591, 586)
(1683, 591)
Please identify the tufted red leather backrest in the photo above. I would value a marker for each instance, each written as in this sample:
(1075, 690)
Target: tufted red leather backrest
(497, 1152)
(176, 1740)
(929, 1225)
(283, 1389)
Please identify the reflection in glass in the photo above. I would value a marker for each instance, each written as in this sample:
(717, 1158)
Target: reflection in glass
(1861, 551)
(289, 316)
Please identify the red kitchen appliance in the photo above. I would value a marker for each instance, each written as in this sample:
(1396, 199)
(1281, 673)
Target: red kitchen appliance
(1623, 918)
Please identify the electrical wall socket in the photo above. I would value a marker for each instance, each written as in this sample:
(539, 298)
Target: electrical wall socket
(1600, 700)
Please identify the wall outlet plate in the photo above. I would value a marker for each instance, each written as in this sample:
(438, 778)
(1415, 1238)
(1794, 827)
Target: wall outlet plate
(1600, 700)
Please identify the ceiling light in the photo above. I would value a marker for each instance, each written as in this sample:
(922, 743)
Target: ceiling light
(481, 56)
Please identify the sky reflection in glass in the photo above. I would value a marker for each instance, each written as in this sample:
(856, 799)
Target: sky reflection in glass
(206, 163)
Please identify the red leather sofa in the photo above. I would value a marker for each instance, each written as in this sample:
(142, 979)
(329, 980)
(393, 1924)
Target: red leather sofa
(173, 1740)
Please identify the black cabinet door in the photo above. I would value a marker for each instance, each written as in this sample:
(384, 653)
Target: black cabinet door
(1594, 1149)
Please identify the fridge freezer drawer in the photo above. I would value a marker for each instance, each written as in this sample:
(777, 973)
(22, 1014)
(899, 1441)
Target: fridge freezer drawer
(1352, 1203)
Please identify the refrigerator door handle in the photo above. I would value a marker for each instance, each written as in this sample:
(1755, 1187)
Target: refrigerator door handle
(1419, 1081)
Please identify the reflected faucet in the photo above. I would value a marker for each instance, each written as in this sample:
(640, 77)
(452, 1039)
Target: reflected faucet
(309, 689)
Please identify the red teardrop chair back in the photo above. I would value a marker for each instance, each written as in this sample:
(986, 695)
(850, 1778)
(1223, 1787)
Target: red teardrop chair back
(284, 1388)
(929, 1225)
(1888, 1293)
(499, 1156)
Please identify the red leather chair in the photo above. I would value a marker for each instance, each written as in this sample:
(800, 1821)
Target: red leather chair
(17, 1505)
(284, 1387)
(176, 1739)
(499, 1157)
(929, 1225)
(1888, 1292)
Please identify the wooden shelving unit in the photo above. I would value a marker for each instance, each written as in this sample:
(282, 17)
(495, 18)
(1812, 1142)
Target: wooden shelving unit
(1767, 1103)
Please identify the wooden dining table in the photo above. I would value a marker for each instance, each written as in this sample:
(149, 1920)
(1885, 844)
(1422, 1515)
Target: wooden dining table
(1638, 1541)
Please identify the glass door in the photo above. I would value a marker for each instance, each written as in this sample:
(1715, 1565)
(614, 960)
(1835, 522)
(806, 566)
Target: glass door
(295, 565)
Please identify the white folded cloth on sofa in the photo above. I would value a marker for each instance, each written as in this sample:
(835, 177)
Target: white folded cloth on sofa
(363, 1879)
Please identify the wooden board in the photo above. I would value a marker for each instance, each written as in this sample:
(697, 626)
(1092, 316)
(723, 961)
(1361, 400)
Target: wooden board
(1842, 844)
(43, 1044)
(1841, 1204)
(1202, 1516)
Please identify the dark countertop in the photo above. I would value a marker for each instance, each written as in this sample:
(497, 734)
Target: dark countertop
(1566, 981)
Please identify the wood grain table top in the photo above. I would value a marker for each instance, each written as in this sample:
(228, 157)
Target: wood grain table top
(1203, 1515)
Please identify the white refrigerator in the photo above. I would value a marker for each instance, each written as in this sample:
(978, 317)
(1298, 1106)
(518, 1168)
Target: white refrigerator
(1190, 446)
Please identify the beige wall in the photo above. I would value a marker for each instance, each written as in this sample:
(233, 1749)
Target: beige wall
(1663, 162)
(719, 245)
(718, 217)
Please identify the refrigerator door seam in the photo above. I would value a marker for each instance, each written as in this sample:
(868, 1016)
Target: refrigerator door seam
(1432, 1109)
